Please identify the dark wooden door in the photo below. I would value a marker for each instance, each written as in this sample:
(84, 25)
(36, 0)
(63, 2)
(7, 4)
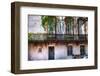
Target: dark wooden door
(51, 53)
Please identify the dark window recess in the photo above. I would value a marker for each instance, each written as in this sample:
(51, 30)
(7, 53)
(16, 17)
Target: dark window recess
(82, 50)
(40, 50)
(70, 51)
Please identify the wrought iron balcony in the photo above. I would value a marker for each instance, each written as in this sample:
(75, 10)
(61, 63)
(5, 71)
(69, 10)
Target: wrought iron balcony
(57, 37)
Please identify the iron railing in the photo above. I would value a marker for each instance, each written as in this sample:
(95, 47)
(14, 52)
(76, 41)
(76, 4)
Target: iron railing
(39, 37)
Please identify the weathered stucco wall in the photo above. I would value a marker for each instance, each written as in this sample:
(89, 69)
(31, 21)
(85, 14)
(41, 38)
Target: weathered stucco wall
(35, 54)
(60, 51)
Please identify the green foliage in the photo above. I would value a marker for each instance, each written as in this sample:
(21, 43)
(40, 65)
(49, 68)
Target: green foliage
(30, 36)
(44, 21)
(48, 22)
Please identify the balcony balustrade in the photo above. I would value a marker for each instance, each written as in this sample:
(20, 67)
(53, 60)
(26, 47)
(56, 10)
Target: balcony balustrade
(59, 37)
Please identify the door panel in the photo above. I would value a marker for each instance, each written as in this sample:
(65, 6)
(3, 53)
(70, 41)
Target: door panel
(51, 53)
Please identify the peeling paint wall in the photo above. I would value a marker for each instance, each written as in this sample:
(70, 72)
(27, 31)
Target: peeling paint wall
(35, 54)
(60, 51)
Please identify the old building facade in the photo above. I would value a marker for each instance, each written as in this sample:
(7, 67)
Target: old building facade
(64, 38)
